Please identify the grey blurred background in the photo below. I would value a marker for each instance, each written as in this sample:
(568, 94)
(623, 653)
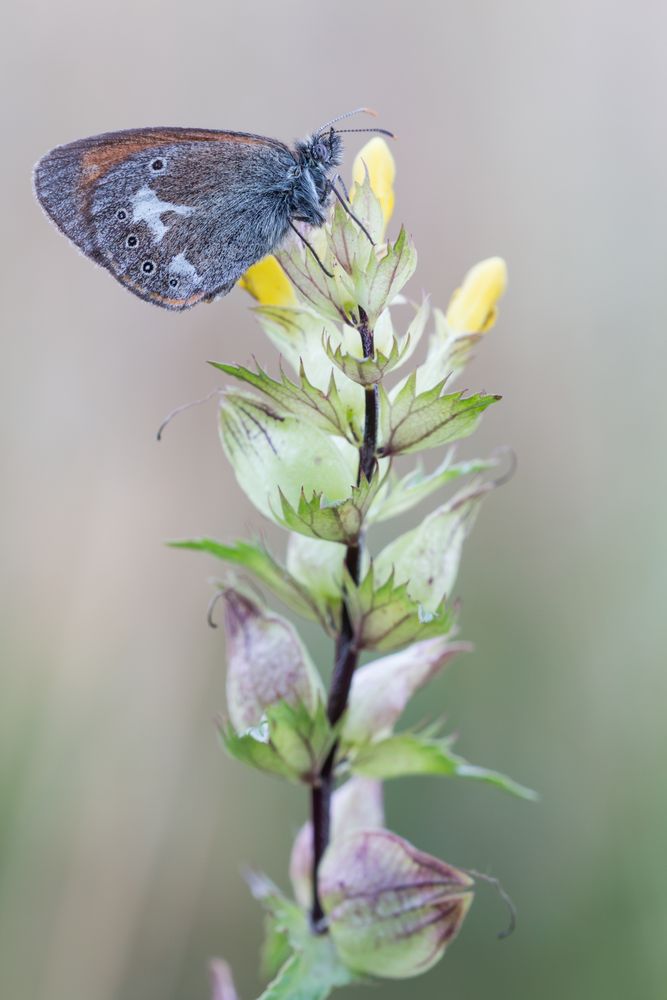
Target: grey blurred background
(534, 131)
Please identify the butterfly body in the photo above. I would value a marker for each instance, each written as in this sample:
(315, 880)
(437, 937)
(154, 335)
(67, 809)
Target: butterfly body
(178, 215)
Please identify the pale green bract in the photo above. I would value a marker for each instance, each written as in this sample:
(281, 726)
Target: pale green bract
(426, 559)
(273, 454)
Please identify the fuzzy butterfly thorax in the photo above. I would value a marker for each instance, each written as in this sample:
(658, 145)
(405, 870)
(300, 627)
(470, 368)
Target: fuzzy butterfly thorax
(317, 156)
(178, 215)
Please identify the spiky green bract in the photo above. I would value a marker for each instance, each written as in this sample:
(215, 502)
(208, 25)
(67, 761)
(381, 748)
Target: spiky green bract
(338, 521)
(426, 559)
(385, 617)
(325, 410)
(290, 741)
(417, 421)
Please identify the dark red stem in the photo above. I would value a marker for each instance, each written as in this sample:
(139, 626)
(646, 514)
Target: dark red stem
(347, 654)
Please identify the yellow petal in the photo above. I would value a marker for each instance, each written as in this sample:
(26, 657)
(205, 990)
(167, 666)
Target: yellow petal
(267, 282)
(472, 307)
(381, 172)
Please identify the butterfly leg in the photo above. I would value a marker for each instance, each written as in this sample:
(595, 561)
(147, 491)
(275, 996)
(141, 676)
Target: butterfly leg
(351, 213)
(311, 248)
(340, 180)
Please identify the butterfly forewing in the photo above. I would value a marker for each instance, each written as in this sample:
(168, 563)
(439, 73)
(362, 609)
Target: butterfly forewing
(176, 215)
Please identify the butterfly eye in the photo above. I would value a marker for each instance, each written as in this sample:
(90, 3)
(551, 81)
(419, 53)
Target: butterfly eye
(121, 214)
(173, 282)
(131, 241)
(148, 267)
(157, 166)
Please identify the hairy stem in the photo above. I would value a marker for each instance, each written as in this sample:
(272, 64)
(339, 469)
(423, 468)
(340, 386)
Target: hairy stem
(347, 654)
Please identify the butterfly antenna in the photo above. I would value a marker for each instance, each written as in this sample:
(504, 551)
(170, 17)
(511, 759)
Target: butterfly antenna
(312, 249)
(348, 114)
(352, 215)
(380, 131)
(212, 604)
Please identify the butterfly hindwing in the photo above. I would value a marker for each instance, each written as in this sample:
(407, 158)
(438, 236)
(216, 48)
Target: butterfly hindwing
(177, 216)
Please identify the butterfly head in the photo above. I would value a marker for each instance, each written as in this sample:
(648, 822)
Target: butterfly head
(320, 152)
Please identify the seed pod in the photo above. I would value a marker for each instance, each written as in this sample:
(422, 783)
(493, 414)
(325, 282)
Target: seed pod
(266, 663)
(392, 909)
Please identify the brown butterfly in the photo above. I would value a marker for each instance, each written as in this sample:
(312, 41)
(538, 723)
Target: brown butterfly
(177, 215)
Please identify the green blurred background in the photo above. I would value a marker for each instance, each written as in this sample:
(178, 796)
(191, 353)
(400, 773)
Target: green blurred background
(531, 130)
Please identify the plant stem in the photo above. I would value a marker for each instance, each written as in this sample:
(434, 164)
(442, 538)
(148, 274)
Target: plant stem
(347, 654)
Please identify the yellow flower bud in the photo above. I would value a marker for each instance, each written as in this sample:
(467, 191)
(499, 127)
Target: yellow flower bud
(472, 307)
(381, 172)
(267, 282)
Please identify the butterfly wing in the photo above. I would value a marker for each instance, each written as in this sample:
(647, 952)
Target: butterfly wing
(176, 215)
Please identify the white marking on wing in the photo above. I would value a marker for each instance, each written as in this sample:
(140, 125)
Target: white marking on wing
(147, 207)
(182, 267)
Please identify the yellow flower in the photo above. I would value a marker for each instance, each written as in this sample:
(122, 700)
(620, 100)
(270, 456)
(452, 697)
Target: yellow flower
(381, 172)
(267, 282)
(472, 307)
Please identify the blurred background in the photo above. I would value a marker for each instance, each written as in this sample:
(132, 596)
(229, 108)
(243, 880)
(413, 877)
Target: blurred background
(534, 131)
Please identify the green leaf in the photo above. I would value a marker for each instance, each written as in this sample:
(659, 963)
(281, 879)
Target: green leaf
(385, 617)
(317, 566)
(401, 495)
(287, 916)
(415, 329)
(301, 739)
(366, 206)
(256, 558)
(426, 559)
(314, 969)
(254, 749)
(325, 410)
(341, 521)
(385, 275)
(289, 742)
(412, 422)
(411, 754)
(276, 949)
(311, 974)
(331, 298)
(347, 242)
(270, 452)
(367, 371)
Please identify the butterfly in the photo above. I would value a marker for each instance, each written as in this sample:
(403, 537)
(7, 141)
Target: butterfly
(177, 215)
